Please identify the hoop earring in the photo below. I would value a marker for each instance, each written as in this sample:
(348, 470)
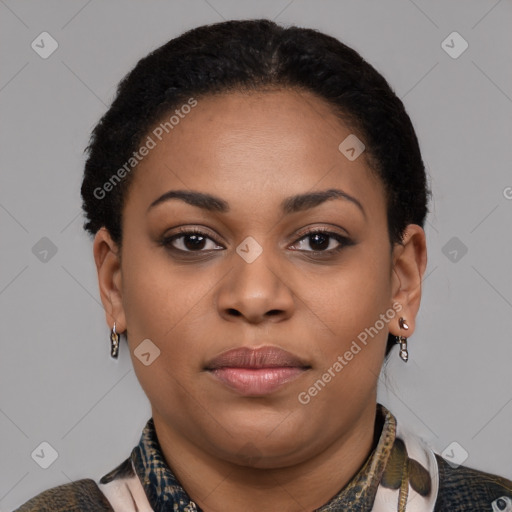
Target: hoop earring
(114, 342)
(404, 354)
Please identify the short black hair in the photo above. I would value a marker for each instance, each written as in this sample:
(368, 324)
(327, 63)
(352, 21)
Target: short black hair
(242, 55)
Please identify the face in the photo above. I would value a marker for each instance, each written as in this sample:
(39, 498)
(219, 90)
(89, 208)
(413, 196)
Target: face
(259, 267)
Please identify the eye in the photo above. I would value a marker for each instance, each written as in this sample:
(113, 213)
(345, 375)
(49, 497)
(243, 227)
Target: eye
(191, 240)
(194, 240)
(321, 240)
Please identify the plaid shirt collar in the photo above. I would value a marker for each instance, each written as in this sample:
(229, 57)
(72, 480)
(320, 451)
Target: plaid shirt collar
(165, 493)
(162, 488)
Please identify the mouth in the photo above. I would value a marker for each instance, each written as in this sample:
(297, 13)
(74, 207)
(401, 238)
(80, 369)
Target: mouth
(256, 372)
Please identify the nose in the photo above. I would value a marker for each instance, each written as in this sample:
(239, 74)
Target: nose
(255, 291)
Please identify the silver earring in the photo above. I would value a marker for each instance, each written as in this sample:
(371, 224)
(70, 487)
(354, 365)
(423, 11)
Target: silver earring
(114, 342)
(404, 354)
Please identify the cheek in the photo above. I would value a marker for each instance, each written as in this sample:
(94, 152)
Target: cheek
(169, 306)
(352, 305)
(353, 298)
(160, 306)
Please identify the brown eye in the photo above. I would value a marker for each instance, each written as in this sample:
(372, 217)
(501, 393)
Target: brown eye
(191, 241)
(322, 241)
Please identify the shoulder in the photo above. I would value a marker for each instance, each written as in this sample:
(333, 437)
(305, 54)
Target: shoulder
(466, 489)
(82, 495)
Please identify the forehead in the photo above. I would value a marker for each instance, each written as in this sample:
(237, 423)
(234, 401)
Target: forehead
(257, 146)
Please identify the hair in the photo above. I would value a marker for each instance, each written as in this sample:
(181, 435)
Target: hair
(254, 55)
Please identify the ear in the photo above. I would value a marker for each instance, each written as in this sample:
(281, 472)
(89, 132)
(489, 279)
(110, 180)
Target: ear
(107, 257)
(409, 263)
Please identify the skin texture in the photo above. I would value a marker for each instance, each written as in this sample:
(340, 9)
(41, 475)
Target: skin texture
(234, 452)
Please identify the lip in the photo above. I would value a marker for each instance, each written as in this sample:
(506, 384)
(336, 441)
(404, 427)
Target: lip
(256, 371)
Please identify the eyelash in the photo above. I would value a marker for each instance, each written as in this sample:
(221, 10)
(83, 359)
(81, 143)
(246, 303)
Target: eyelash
(183, 232)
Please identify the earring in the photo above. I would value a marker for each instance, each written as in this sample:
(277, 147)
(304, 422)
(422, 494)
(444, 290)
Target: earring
(114, 342)
(404, 354)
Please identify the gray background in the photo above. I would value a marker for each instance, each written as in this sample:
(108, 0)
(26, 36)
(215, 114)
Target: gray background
(57, 381)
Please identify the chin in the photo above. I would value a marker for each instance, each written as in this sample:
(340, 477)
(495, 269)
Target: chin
(260, 456)
(264, 445)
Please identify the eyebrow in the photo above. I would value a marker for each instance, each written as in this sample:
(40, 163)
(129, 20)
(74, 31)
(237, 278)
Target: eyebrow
(292, 204)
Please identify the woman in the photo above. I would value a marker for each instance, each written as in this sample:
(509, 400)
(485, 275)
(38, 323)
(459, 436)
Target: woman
(257, 200)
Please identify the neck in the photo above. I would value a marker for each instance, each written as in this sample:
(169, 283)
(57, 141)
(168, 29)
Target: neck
(219, 485)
